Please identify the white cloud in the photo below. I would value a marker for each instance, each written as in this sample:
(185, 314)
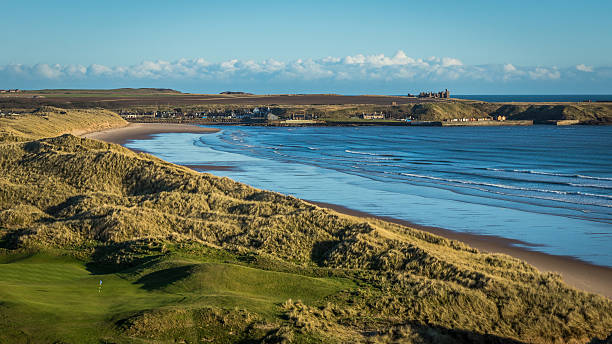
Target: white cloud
(47, 71)
(541, 73)
(450, 62)
(357, 59)
(401, 58)
(399, 69)
(509, 68)
(513, 73)
(230, 65)
(96, 69)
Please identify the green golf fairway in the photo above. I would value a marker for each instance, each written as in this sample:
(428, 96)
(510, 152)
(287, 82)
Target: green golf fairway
(54, 298)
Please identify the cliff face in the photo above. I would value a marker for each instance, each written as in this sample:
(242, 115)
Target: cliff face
(160, 226)
(587, 113)
(446, 111)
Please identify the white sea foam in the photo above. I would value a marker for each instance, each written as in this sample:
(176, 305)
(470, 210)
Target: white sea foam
(509, 187)
(361, 153)
(582, 176)
(374, 155)
(480, 187)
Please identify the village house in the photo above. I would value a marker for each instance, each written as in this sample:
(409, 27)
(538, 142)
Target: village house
(261, 111)
(374, 115)
(301, 116)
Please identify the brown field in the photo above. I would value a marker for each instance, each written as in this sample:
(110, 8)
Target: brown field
(128, 99)
(333, 108)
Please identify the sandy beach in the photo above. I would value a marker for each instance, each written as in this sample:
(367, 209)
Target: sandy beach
(575, 272)
(206, 167)
(143, 131)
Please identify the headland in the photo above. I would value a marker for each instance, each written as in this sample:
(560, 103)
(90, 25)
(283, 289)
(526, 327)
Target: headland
(168, 106)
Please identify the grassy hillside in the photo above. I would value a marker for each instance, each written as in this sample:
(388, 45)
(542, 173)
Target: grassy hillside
(50, 121)
(330, 107)
(47, 297)
(587, 113)
(446, 111)
(191, 257)
(584, 112)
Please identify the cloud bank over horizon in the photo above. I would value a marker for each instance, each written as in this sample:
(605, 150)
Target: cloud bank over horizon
(356, 74)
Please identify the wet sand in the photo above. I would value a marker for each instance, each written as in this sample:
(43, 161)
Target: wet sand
(577, 273)
(143, 131)
(211, 168)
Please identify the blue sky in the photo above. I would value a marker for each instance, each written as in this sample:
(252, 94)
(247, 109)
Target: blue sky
(315, 46)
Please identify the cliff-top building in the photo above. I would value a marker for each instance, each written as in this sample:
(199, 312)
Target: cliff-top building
(442, 94)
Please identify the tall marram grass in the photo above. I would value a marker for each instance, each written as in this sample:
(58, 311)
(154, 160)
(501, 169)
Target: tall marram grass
(51, 121)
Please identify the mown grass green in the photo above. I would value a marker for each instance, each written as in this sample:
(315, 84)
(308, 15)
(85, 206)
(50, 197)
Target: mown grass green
(49, 299)
(46, 297)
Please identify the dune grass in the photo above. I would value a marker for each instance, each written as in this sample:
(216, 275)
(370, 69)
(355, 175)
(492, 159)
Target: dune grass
(191, 257)
(49, 121)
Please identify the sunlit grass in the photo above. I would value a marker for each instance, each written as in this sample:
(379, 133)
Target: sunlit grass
(190, 256)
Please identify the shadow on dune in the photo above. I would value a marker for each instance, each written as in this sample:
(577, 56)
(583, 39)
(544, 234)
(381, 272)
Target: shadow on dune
(163, 278)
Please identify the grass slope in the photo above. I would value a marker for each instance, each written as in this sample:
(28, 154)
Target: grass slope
(50, 121)
(192, 257)
(585, 113)
(326, 107)
(46, 296)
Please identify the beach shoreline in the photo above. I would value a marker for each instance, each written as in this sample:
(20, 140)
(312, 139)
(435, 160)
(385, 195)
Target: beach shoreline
(144, 131)
(575, 272)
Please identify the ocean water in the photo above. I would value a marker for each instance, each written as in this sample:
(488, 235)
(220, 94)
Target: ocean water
(549, 187)
(535, 97)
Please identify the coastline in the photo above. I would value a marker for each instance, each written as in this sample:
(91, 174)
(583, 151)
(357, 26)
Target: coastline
(144, 131)
(576, 273)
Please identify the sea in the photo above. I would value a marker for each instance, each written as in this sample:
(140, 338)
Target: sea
(548, 187)
(536, 98)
